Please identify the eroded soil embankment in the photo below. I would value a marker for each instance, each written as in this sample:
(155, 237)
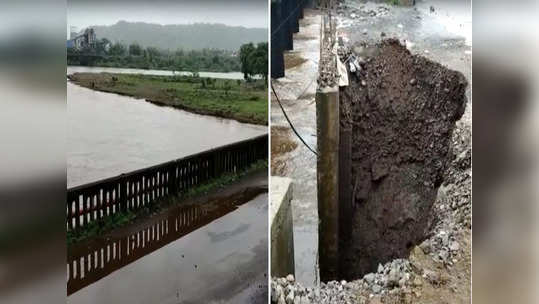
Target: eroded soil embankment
(402, 109)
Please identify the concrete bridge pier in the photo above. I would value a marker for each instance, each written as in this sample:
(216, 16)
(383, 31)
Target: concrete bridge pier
(296, 8)
(328, 136)
(277, 40)
(288, 28)
(327, 116)
(282, 227)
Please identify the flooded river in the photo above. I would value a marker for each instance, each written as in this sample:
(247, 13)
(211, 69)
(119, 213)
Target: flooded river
(109, 134)
(84, 69)
(215, 252)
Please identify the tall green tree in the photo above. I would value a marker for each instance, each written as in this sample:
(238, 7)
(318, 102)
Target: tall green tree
(101, 46)
(254, 60)
(259, 60)
(135, 49)
(245, 53)
(117, 49)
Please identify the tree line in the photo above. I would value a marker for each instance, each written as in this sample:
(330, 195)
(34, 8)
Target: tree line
(252, 60)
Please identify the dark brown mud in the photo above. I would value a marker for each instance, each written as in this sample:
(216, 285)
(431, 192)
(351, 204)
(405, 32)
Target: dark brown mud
(401, 109)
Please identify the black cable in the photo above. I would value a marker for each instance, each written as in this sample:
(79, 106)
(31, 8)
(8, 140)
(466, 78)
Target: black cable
(290, 123)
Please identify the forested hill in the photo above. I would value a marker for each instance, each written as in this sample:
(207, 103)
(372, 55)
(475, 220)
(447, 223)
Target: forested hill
(182, 36)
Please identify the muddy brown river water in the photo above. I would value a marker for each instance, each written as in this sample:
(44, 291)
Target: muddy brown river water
(109, 134)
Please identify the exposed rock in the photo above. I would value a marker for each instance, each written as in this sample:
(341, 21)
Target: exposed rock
(369, 278)
(431, 276)
(290, 278)
(290, 298)
(305, 300)
(454, 246)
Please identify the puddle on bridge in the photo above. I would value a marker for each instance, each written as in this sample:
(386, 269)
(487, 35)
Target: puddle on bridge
(201, 253)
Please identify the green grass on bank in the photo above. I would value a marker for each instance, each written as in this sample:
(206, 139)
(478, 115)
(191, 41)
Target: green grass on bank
(122, 219)
(233, 99)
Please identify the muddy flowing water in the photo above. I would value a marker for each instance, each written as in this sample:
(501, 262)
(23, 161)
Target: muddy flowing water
(202, 253)
(84, 69)
(109, 134)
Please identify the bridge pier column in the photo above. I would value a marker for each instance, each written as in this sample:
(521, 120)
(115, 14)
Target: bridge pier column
(277, 35)
(288, 25)
(327, 116)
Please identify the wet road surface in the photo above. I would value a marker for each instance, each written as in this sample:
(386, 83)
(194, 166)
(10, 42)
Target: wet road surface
(297, 91)
(210, 252)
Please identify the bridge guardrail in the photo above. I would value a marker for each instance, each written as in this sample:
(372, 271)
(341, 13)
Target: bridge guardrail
(131, 191)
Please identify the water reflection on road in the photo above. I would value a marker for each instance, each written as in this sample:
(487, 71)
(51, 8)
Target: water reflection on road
(206, 253)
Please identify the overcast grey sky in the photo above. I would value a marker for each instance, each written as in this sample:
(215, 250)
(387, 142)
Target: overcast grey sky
(247, 13)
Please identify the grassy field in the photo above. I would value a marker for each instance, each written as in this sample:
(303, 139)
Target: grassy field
(233, 99)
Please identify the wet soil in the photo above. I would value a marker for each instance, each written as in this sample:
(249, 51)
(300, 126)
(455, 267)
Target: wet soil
(401, 109)
(292, 60)
(281, 143)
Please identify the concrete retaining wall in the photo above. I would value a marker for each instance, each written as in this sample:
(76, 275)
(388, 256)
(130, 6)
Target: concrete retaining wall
(282, 227)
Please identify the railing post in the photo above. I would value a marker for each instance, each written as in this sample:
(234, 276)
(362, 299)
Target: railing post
(172, 180)
(123, 195)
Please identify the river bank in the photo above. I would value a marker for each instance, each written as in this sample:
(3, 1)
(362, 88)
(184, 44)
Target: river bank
(72, 69)
(238, 100)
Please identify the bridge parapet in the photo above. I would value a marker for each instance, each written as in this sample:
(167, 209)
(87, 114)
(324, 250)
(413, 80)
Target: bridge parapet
(135, 190)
